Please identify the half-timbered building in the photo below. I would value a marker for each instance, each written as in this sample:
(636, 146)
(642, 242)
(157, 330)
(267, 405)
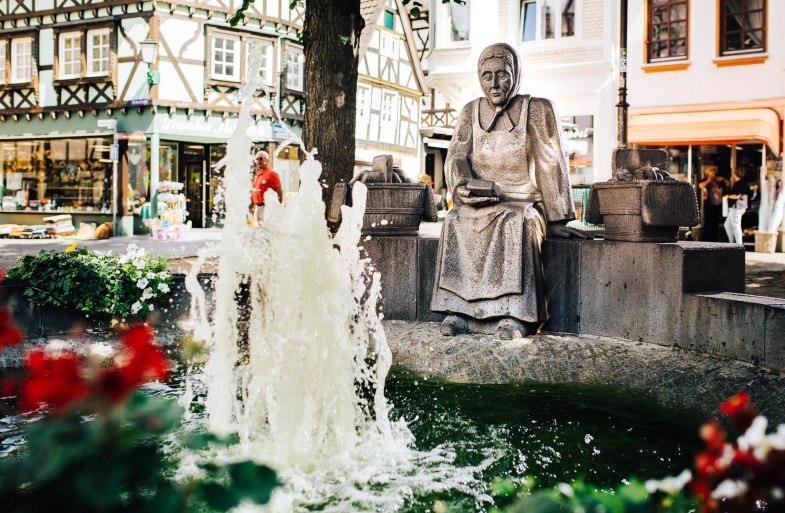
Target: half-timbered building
(74, 80)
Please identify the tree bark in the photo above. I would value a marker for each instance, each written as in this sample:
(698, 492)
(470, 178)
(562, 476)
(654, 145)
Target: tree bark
(331, 38)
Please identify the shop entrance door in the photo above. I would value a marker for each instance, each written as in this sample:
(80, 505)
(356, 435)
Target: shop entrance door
(195, 168)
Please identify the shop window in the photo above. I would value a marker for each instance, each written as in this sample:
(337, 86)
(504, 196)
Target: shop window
(57, 175)
(98, 52)
(742, 26)
(667, 29)
(579, 146)
(70, 55)
(547, 19)
(22, 59)
(460, 21)
(226, 58)
(295, 60)
(167, 161)
(3, 50)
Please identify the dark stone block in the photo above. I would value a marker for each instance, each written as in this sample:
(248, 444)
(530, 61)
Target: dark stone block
(395, 257)
(728, 324)
(712, 267)
(631, 290)
(427, 253)
(774, 351)
(562, 269)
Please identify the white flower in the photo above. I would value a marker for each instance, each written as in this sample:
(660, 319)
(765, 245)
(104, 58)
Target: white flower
(729, 489)
(163, 287)
(147, 294)
(151, 307)
(150, 275)
(777, 440)
(669, 484)
(565, 489)
(57, 345)
(124, 259)
(139, 264)
(142, 284)
(136, 307)
(754, 440)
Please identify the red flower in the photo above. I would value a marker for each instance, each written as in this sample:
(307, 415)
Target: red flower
(707, 464)
(740, 410)
(744, 459)
(712, 434)
(53, 380)
(144, 362)
(9, 333)
(735, 404)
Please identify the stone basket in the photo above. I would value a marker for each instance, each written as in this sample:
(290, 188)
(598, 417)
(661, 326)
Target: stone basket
(642, 210)
(391, 208)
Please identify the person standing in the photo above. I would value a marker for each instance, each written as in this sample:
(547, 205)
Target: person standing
(738, 200)
(264, 179)
(713, 190)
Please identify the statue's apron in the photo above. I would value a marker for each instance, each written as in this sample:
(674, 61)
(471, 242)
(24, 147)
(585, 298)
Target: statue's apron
(489, 257)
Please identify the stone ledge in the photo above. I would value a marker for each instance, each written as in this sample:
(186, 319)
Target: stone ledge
(674, 377)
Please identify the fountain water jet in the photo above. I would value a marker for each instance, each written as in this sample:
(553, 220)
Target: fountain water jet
(293, 391)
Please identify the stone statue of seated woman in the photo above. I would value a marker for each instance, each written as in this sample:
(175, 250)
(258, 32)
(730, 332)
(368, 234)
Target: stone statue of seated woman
(507, 171)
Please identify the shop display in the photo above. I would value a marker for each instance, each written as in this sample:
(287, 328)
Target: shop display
(170, 222)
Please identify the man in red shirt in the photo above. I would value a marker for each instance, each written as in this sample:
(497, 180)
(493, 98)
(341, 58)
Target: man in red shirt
(264, 179)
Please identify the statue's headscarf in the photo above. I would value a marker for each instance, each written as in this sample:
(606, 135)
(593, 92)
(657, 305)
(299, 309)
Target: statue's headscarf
(511, 59)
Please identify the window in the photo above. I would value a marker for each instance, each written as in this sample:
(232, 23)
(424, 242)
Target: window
(70, 55)
(226, 58)
(22, 59)
(363, 103)
(3, 45)
(388, 109)
(264, 49)
(459, 21)
(389, 20)
(547, 19)
(388, 45)
(742, 26)
(667, 30)
(294, 68)
(98, 52)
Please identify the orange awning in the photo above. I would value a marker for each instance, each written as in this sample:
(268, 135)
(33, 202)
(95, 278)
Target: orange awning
(707, 127)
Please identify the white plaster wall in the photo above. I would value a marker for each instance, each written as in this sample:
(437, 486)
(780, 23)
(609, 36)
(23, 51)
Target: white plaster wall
(577, 73)
(46, 47)
(46, 91)
(136, 29)
(703, 81)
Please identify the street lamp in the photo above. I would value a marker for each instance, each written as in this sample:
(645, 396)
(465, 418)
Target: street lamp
(149, 54)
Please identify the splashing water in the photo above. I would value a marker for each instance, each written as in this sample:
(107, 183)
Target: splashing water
(298, 371)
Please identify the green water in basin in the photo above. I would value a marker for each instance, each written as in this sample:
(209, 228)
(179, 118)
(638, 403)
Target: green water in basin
(554, 433)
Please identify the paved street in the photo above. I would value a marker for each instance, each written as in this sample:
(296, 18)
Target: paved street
(765, 272)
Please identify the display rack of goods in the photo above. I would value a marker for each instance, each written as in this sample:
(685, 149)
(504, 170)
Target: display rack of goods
(59, 226)
(170, 221)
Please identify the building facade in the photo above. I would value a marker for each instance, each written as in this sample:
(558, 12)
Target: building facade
(567, 50)
(707, 81)
(75, 81)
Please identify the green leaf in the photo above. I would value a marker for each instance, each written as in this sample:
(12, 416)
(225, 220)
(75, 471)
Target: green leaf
(252, 481)
(216, 496)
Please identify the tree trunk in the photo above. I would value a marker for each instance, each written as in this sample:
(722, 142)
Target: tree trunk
(331, 38)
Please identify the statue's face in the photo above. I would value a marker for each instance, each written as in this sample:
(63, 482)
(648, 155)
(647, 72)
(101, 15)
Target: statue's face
(496, 81)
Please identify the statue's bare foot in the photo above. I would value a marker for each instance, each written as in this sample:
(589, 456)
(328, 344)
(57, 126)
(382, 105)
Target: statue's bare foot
(454, 325)
(509, 329)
